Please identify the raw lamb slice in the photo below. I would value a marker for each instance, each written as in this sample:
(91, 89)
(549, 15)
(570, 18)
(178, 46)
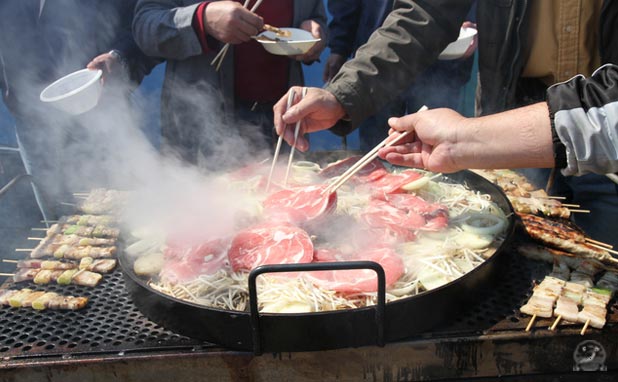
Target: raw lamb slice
(299, 205)
(270, 244)
(380, 214)
(392, 183)
(359, 280)
(434, 214)
(370, 172)
(184, 263)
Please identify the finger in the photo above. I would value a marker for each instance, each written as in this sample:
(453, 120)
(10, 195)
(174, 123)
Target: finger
(280, 109)
(407, 160)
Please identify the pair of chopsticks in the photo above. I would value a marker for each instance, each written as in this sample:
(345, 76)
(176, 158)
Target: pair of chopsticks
(365, 160)
(291, 96)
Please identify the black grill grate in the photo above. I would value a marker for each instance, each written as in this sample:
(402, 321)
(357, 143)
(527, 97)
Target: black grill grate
(111, 324)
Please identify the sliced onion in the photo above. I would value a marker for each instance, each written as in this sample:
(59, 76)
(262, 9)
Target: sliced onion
(303, 165)
(416, 184)
(473, 240)
(484, 224)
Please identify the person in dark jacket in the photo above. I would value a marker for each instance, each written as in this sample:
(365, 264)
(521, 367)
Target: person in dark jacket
(42, 41)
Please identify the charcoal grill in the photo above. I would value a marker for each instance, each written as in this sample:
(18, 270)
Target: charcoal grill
(111, 336)
(112, 340)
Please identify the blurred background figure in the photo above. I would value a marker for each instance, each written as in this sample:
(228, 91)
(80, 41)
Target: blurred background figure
(352, 23)
(203, 108)
(41, 41)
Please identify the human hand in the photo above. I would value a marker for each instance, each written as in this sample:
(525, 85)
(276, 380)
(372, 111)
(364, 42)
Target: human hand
(431, 144)
(230, 22)
(318, 110)
(474, 43)
(109, 63)
(333, 64)
(313, 54)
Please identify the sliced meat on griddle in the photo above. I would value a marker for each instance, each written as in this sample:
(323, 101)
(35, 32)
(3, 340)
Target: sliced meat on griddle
(270, 244)
(359, 280)
(300, 205)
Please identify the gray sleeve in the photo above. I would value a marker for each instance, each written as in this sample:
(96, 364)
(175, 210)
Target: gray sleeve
(163, 28)
(409, 41)
(584, 114)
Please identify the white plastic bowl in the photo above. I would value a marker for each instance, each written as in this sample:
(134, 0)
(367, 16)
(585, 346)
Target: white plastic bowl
(457, 48)
(75, 93)
(299, 42)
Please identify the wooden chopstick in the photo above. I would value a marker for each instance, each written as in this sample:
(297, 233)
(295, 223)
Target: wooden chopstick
(371, 155)
(291, 96)
(296, 130)
(221, 55)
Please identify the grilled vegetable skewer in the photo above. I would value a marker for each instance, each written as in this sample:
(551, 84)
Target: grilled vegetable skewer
(62, 277)
(87, 263)
(40, 300)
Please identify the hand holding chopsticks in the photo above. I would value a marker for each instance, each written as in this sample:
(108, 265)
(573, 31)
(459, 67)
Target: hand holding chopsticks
(365, 160)
(218, 60)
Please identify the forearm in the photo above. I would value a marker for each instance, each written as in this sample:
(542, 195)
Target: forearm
(410, 40)
(519, 138)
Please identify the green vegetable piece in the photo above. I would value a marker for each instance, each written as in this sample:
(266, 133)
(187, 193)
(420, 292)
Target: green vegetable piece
(66, 277)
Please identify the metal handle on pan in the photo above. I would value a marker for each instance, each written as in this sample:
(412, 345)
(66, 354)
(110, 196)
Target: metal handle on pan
(327, 266)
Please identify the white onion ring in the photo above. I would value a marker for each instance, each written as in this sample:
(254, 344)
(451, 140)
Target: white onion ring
(496, 226)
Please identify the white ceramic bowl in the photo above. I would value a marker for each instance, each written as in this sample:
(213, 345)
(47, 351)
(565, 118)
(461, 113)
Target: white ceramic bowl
(75, 93)
(299, 42)
(457, 48)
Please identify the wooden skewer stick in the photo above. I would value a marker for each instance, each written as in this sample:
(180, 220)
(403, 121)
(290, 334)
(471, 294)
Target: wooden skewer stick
(553, 326)
(579, 211)
(49, 221)
(10, 261)
(24, 249)
(599, 243)
(371, 155)
(38, 229)
(531, 322)
(604, 248)
(585, 327)
(279, 141)
(296, 130)
(570, 205)
(36, 238)
(7, 274)
(556, 197)
(68, 204)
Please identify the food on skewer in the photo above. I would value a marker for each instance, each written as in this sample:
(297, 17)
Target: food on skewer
(594, 308)
(97, 231)
(102, 201)
(564, 236)
(62, 277)
(512, 183)
(550, 255)
(87, 263)
(51, 244)
(535, 206)
(88, 220)
(584, 273)
(72, 253)
(40, 300)
(541, 303)
(567, 306)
